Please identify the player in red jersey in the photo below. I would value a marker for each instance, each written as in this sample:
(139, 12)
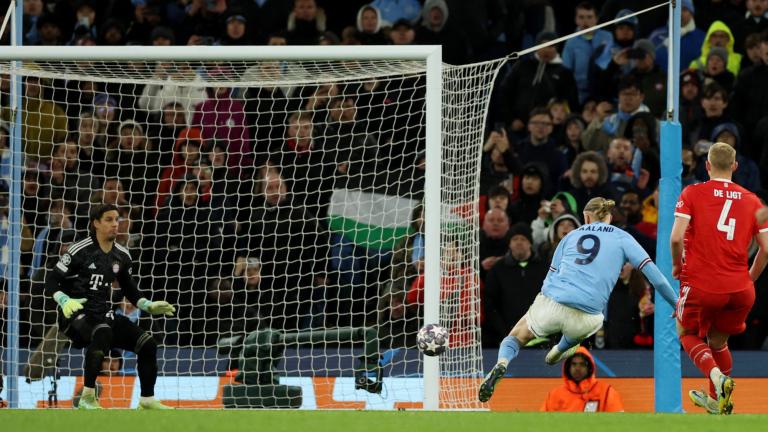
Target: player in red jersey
(715, 223)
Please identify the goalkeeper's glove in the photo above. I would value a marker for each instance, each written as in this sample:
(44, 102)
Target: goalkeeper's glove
(156, 308)
(68, 305)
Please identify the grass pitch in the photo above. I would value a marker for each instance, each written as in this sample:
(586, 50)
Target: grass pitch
(349, 421)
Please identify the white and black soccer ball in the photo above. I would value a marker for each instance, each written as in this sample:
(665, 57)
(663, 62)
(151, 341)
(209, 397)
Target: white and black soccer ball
(432, 340)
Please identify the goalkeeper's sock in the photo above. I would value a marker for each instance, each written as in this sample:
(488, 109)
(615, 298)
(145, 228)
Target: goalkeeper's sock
(724, 362)
(699, 352)
(89, 392)
(508, 349)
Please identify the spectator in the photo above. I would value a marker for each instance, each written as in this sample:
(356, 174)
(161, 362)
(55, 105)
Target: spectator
(185, 160)
(637, 62)
(497, 198)
(749, 103)
(589, 178)
(402, 33)
(408, 252)
(533, 189)
(754, 22)
(511, 284)
(629, 314)
(33, 12)
(112, 33)
(45, 123)
(90, 151)
(222, 118)
(494, 239)
(569, 143)
(236, 31)
(107, 115)
(304, 164)
(137, 166)
(714, 102)
(715, 71)
(582, 391)
(643, 131)
(111, 192)
(578, 50)
(533, 81)
(690, 106)
(435, 29)
(267, 17)
(49, 31)
(285, 237)
(392, 11)
(562, 203)
(624, 35)
(559, 228)
(156, 96)
(624, 166)
(718, 35)
(748, 175)
(689, 167)
(306, 23)
(369, 26)
(539, 146)
(162, 36)
(85, 23)
(752, 50)
(691, 38)
(69, 182)
(606, 126)
(631, 206)
(202, 21)
(499, 163)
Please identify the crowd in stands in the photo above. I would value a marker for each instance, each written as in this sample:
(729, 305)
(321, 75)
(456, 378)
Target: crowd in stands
(224, 191)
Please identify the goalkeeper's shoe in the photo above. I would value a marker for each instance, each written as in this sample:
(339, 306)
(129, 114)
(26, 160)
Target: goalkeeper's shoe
(554, 356)
(724, 392)
(489, 383)
(88, 402)
(153, 404)
(701, 399)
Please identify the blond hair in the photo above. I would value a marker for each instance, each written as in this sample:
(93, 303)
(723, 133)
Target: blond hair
(721, 156)
(600, 207)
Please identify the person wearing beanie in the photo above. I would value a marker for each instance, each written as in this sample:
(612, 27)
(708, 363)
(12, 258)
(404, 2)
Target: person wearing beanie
(559, 228)
(624, 35)
(511, 285)
(562, 203)
(715, 69)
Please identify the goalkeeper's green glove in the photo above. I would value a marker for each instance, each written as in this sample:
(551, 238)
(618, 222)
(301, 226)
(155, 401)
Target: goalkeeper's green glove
(68, 305)
(156, 308)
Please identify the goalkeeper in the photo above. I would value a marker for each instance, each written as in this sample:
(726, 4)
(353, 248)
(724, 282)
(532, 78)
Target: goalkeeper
(81, 284)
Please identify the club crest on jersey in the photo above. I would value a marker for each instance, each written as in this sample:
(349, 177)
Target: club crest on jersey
(115, 267)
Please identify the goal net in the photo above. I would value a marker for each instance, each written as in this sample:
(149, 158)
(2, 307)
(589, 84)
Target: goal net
(279, 205)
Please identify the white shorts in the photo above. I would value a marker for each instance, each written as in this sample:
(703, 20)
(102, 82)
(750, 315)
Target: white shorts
(546, 317)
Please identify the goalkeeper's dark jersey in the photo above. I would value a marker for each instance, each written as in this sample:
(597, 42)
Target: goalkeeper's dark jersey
(86, 271)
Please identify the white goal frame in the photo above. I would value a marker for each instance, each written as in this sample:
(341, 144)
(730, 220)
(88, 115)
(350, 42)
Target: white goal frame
(431, 55)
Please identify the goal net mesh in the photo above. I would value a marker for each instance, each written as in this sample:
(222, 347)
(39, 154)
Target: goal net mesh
(277, 204)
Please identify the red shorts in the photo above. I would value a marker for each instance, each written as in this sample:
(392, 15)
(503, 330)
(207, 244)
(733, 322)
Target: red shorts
(698, 311)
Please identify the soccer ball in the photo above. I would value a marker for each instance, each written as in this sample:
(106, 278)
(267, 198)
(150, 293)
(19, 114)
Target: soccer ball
(432, 340)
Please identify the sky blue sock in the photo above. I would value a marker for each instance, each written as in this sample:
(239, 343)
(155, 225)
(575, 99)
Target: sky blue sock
(565, 343)
(509, 348)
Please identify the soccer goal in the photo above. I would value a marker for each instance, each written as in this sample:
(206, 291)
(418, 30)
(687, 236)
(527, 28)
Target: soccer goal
(307, 210)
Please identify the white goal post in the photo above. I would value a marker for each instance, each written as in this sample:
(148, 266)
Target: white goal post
(455, 104)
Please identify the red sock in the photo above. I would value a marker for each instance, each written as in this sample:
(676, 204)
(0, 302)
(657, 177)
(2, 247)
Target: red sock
(699, 352)
(724, 361)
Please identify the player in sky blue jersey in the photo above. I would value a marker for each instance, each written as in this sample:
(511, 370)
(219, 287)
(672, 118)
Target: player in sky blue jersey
(583, 272)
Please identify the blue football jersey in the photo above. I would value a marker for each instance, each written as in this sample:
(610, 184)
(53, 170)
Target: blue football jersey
(587, 263)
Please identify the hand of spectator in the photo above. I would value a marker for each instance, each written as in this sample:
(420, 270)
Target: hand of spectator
(490, 143)
(320, 280)
(240, 263)
(502, 143)
(622, 57)
(489, 262)
(545, 209)
(567, 174)
(643, 178)
(518, 125)
(3, 300)
(603, 109)
(419, 266)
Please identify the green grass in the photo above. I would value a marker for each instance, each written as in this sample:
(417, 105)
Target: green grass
(350, 421)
